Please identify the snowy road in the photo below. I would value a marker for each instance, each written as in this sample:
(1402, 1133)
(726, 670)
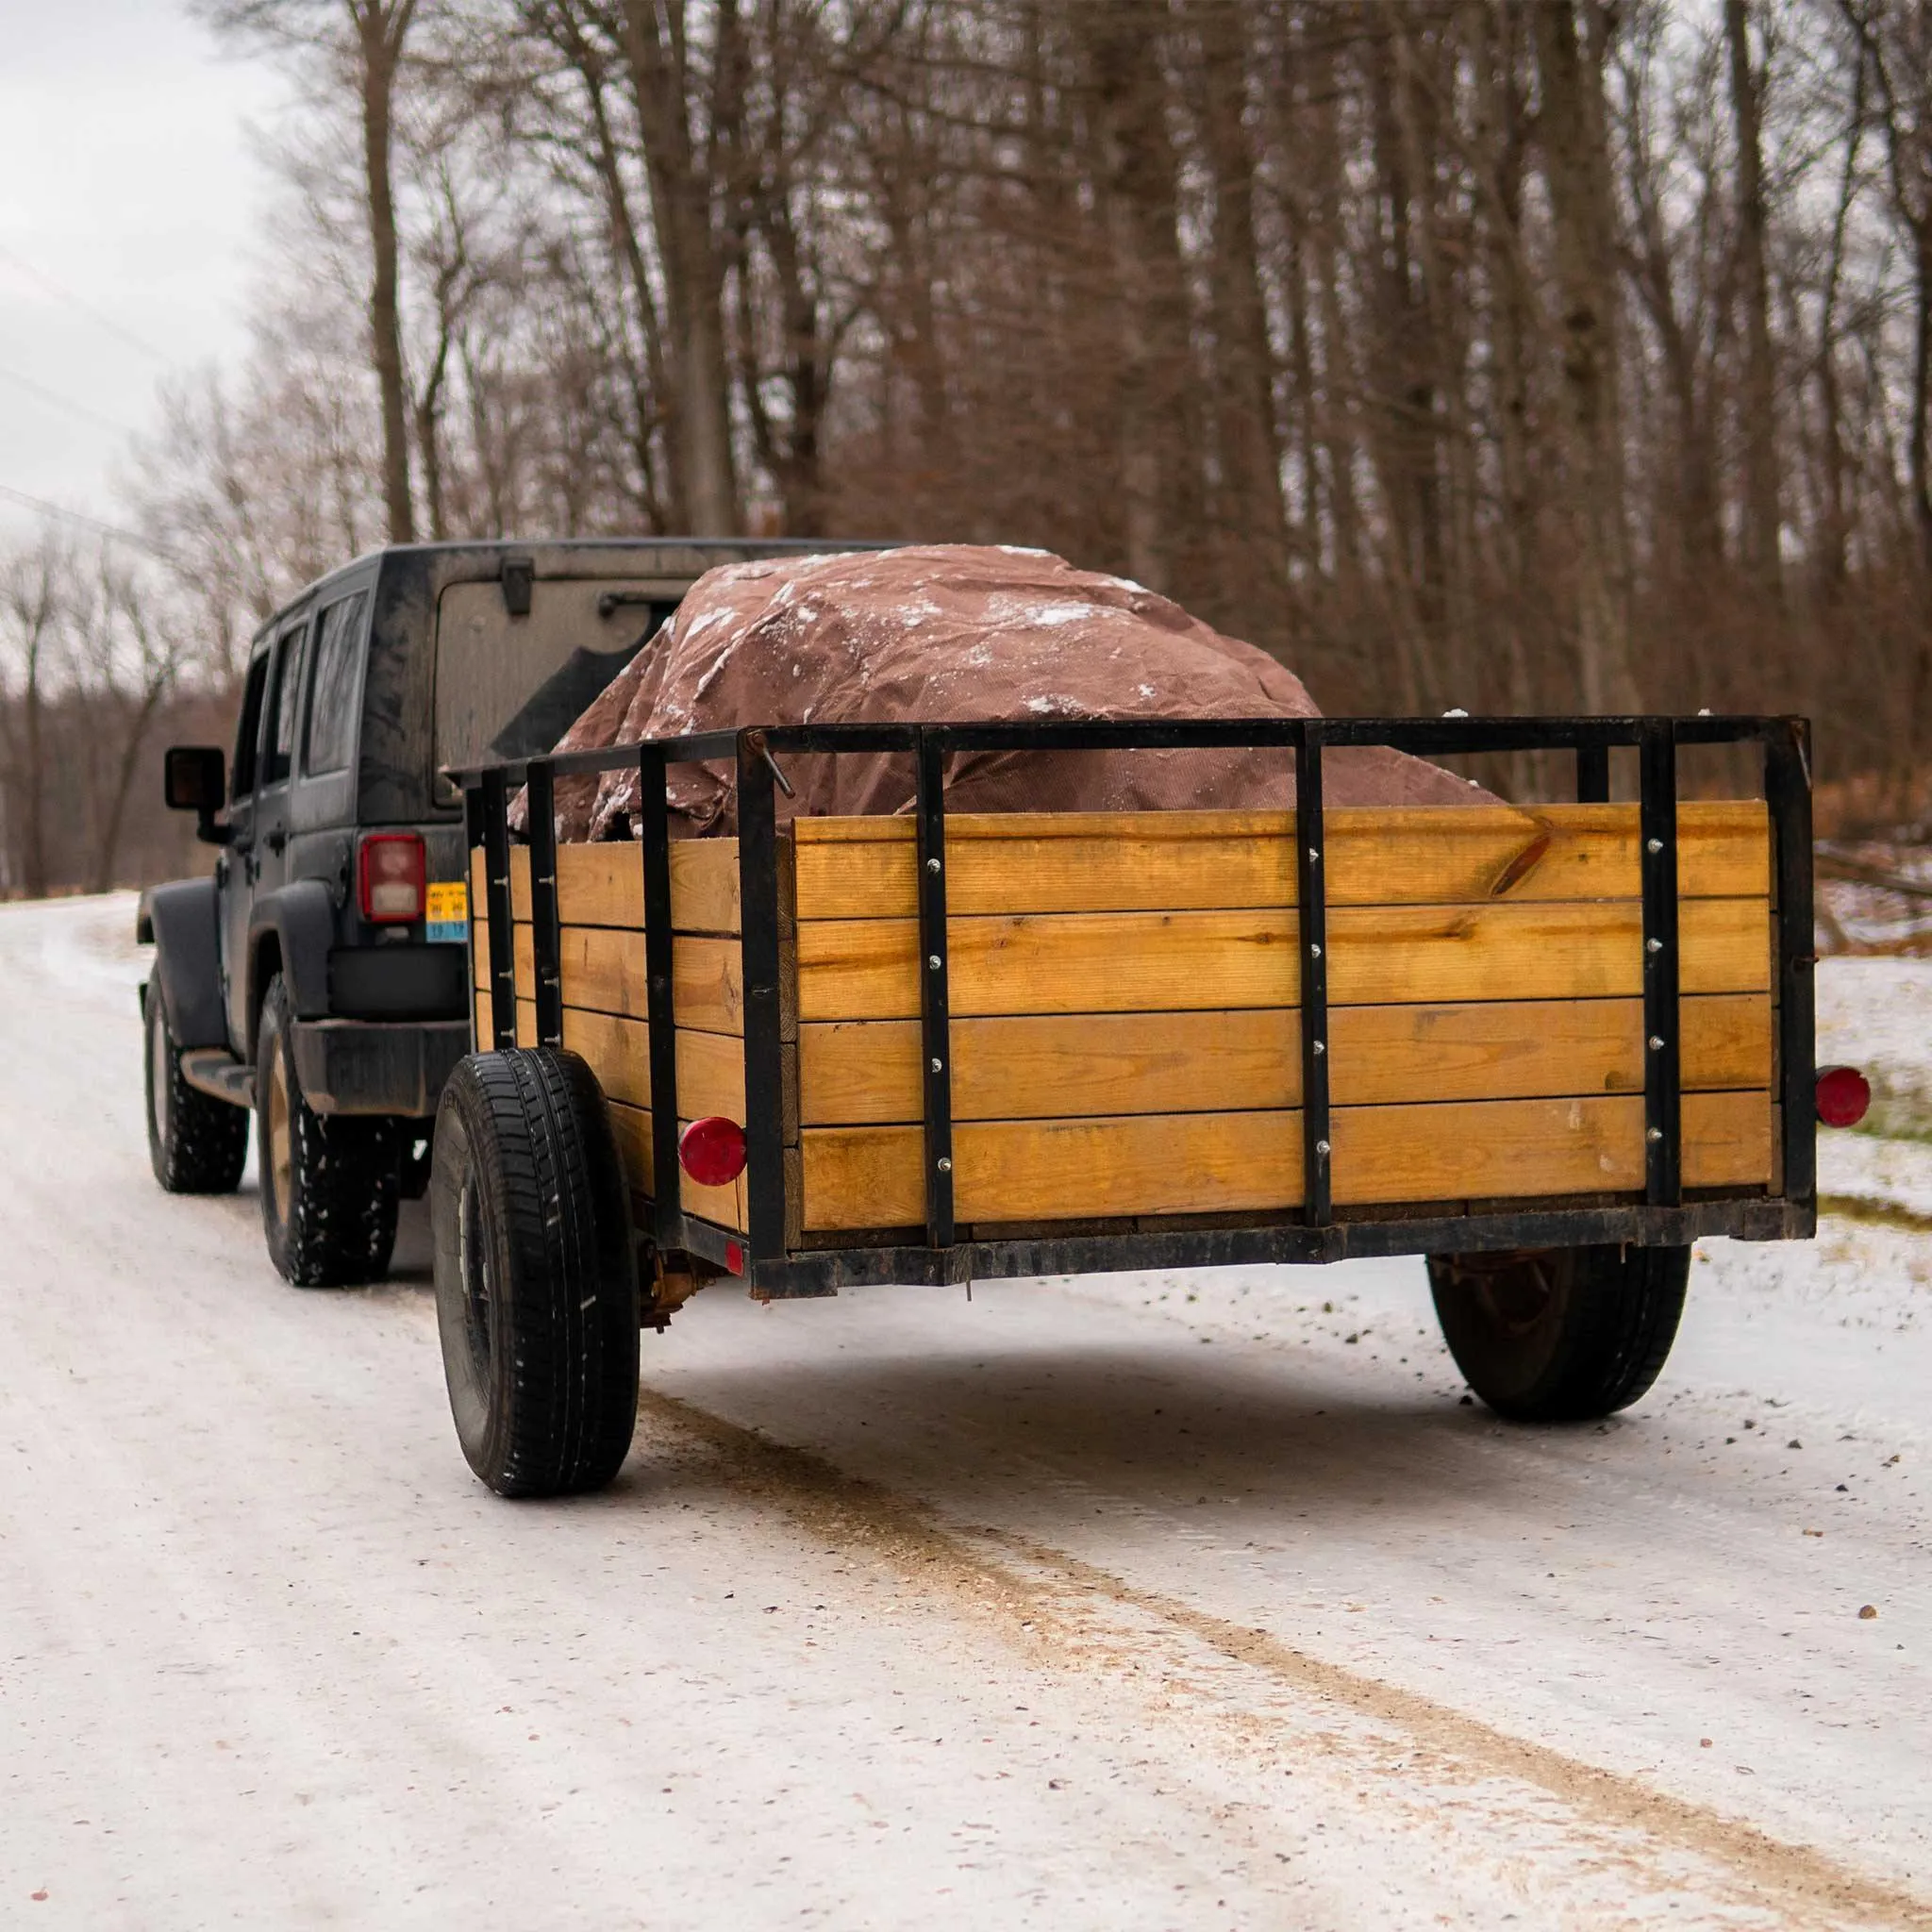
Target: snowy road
(1151, 1601)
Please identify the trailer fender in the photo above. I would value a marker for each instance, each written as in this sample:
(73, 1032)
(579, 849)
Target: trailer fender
(300, 918)
(180, 922)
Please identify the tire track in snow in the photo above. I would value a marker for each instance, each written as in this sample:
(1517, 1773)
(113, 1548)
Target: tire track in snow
(1073, 1613)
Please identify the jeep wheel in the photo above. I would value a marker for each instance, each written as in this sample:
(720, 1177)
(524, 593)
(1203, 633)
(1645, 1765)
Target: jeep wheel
(195, 1144)
(329, 1186)
(536, 1279)
(1560, 1335)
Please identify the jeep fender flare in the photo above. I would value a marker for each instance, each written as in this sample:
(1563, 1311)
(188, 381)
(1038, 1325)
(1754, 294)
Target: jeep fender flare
(302, 919)
(182, 923)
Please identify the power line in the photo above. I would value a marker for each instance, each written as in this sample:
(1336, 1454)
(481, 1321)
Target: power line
(62, 292)
(61, 402)
(80, 517)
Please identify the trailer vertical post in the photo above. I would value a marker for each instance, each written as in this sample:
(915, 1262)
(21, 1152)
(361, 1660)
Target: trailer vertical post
(1312, 933)
(764, 1074)
(1593, 775)
(1656, 828)
(473, 842)
(935, 951)
(654, 817)
(546, 932)
(1787, 792)
(502, 974)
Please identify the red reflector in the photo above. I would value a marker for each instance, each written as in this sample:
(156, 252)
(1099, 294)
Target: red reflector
(733, 1256)
(712, 1151)
(390, 875)
(1843, 1095)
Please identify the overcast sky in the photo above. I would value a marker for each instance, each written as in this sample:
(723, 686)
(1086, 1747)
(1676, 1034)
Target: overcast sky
(128, 195)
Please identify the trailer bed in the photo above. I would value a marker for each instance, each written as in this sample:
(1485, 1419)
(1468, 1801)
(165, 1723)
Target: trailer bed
(1125, 1019)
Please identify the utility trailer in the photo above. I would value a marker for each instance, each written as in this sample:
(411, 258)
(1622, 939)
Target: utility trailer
(1547, 1047)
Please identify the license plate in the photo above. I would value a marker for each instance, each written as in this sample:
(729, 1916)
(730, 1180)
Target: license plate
(446, 908)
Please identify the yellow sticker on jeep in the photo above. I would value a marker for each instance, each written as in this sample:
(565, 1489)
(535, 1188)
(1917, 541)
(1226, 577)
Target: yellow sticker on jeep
(447, 910)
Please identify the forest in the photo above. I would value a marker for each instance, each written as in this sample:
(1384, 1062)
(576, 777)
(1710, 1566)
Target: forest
(1507, 355)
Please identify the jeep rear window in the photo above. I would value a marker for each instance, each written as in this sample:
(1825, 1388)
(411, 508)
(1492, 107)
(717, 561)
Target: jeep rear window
(248, 729)
(333, 691)
(508, 686)
(281, 730)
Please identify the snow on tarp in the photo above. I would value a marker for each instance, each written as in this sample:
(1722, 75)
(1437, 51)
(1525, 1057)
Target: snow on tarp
(955, 633)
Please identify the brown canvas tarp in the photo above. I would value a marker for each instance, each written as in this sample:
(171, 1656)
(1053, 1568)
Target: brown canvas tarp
(955, 633)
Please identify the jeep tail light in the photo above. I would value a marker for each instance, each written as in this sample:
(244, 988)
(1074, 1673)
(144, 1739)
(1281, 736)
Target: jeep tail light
(1843, 1095)
(712, 1151)
(390, 878)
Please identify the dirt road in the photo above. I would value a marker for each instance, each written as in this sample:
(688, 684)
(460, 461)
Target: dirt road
(1149, 1602)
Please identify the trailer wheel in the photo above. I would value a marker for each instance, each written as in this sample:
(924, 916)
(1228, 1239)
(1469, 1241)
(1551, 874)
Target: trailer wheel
(195, 1144)
(328, 1185)
(536, 1277)
(1559, 1335)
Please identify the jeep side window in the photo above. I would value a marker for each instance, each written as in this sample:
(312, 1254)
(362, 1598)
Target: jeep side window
(279, 741)
(249, 729)
(338, 655)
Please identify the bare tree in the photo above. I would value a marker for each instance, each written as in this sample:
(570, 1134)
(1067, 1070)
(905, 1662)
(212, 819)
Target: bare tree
(364, 38)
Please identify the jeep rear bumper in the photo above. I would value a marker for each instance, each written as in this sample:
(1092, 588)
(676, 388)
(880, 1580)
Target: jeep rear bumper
(368, 1066)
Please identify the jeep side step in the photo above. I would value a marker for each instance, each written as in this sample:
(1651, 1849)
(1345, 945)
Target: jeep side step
(216, 1071)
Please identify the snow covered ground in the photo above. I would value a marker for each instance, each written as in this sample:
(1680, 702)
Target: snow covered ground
(1138, 1602)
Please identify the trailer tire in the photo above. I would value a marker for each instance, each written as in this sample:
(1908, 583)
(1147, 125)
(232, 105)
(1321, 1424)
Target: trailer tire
(1559, 1335)
(195, 1144)
(536, 1273)
(328, 1185)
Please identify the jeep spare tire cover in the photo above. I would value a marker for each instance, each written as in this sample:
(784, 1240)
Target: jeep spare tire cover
(957, 633)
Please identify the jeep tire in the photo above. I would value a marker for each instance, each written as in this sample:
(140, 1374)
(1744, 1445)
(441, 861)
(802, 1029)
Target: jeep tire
(328, 1185)
(1556, 1335)
(195, 1144)
(535, 1274)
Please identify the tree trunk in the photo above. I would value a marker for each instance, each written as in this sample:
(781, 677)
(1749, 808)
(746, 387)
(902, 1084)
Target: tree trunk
(1136, 185)
(1759, 398)
(1493, 41)
(681, 172)
(1252, 516)
(1571, 49)
(380, 30)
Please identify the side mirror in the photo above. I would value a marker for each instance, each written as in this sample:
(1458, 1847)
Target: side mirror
(196, 778)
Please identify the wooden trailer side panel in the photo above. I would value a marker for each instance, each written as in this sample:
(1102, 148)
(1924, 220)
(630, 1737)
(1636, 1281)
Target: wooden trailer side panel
(605, 1003)
(1125, 1024)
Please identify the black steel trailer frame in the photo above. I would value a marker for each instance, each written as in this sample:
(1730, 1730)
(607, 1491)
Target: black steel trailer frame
(1315, 1232)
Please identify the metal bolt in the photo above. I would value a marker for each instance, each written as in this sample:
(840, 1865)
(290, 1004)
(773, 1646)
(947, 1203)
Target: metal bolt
(1657, 1045)
(1322, 1148)
(1314, 855)
(937, 1065)
(934, 962)
(1655, 1134)
(1653, 945)
(945, 1163)
(1321, 1046)
(1314, 952)
(1652, 844)
(932, 865)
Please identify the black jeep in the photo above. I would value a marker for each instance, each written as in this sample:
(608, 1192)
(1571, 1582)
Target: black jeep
(320, 977)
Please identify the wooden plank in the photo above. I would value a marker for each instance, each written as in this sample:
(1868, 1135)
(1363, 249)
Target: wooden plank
(1056, 1169)
(1578, 950)
(1511, 1049)
(1036, 1067)
(630, 1126)
(862, 868)
(604, 885)
(862, 1071)
(710, 1066)
(858, 1177)
(1522, 1149)
(1095, 962)
(603, 971)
